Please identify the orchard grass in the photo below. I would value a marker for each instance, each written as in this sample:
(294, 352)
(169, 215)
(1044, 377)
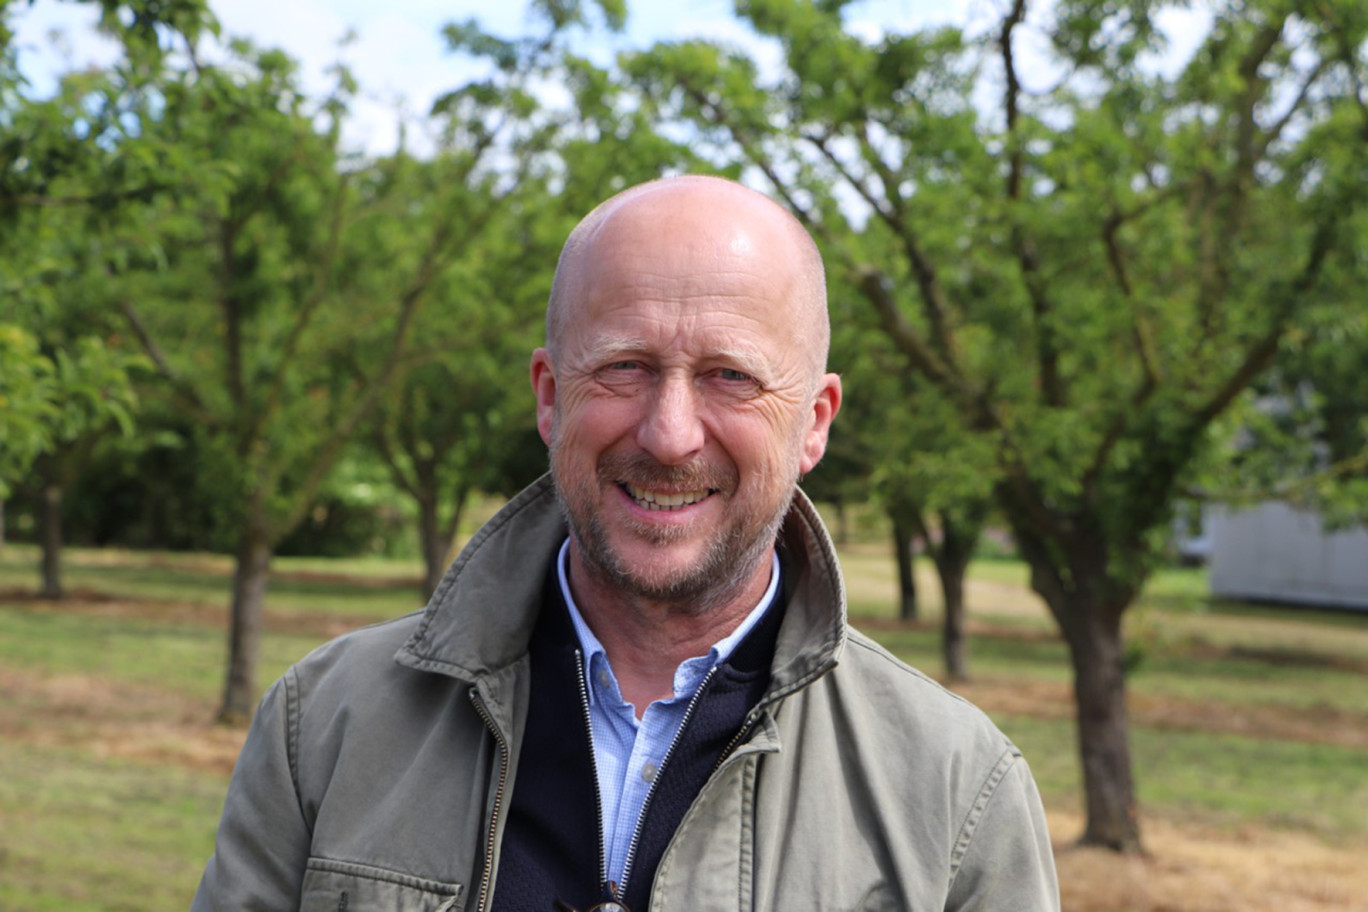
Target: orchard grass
(1222, 780)
(87, 833)
(183, 658)
(365, 588)
(1244, 717)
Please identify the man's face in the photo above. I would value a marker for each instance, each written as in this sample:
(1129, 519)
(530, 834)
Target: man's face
(681, 409)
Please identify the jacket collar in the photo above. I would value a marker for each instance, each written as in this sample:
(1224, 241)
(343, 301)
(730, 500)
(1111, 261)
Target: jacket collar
(480, 619)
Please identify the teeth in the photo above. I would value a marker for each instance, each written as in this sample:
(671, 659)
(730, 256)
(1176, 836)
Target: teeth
(656, 500)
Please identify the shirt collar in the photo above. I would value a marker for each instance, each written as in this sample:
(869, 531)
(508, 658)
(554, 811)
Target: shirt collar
(719, 652)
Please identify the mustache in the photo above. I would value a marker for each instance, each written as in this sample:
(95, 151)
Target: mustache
(644, 472)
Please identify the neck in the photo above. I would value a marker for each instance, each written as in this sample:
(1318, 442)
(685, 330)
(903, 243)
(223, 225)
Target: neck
(646, 640)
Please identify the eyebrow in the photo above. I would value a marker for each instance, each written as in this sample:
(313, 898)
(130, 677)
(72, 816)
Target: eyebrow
(609, 348)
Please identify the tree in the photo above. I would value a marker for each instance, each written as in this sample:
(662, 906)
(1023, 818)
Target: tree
(246, 308)
(933, 479)
(1090, 271)
(54, 408)
(463, 420)
(59, 294)
(69, 159)
(443, 426)
(93, 394)
(938, 480)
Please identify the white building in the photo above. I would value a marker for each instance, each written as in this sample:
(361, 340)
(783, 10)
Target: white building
(1275, 552)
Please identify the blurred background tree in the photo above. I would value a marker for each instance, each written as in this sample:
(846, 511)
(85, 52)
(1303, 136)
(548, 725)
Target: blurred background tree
(1090, 272)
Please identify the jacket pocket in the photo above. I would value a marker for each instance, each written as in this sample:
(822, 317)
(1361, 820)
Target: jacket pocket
(340, 886)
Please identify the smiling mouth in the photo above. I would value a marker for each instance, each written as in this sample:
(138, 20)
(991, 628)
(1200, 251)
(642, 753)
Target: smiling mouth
(659, 500)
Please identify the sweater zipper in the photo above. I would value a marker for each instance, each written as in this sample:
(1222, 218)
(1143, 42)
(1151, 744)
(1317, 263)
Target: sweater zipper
(593, 763)
(660, 771)
(502, 786)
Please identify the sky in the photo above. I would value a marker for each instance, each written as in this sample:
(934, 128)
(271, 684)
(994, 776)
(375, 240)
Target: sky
(398, 55)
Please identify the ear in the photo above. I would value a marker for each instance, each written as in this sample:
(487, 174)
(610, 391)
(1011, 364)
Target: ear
(543, 375)
(824, 408)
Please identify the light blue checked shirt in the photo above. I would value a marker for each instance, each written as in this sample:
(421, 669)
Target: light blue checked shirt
(628, 753)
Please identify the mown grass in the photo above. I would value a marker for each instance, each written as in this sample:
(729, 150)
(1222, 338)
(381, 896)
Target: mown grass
(81, 829)
(375, 588)
(91, 834)
(183, 658)
(1217, 779)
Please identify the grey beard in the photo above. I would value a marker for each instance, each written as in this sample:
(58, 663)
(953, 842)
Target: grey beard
(728, 562)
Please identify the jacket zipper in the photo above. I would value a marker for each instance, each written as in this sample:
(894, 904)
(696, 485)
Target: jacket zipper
(593, 764)
(499, 790)
(660, 771)
(740, 736)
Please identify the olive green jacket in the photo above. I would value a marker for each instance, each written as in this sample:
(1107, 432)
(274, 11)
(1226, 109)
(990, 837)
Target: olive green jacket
(378, 769)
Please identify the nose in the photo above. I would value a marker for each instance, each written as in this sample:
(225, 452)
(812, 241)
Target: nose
(671, 431)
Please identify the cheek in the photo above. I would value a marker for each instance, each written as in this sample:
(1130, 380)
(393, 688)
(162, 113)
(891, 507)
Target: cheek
(766, 443)
(585, 424)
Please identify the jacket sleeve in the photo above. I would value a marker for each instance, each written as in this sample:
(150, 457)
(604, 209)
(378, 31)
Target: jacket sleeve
(263, 837)
(1008, 863)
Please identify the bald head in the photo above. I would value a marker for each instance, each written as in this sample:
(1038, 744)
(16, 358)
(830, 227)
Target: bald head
(683, 393)
(698, 216)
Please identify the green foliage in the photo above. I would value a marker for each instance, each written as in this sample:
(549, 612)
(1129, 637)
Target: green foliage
(94, 388)
(27, 406)
(51, 402)
(77, 147)
(246, 306)
(1088, 276)
(1308, 439)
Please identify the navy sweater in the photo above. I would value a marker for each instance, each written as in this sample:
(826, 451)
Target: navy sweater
(551, 844)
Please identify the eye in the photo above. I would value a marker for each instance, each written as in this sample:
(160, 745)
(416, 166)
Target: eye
(735, 376)
(624, 375)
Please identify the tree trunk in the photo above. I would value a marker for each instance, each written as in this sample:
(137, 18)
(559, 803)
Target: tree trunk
(903, 536)
(1093, 632)
(954, 642)
(50, 525)
(958, 540)
(434, 543)
(245, 624)
(1069, 573)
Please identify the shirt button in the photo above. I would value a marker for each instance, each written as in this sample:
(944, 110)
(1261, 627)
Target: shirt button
(648, 772)
(602, 677)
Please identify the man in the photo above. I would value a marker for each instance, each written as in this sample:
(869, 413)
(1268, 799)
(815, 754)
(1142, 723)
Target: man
(636, 688)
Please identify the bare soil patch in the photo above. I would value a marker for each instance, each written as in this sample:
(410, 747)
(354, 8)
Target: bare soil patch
(126, 721)
(351, 580)
(1044, 699)
(209, 614)
(1310, 724)
(102, 604)
(1189, 868)
(1040, 699)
